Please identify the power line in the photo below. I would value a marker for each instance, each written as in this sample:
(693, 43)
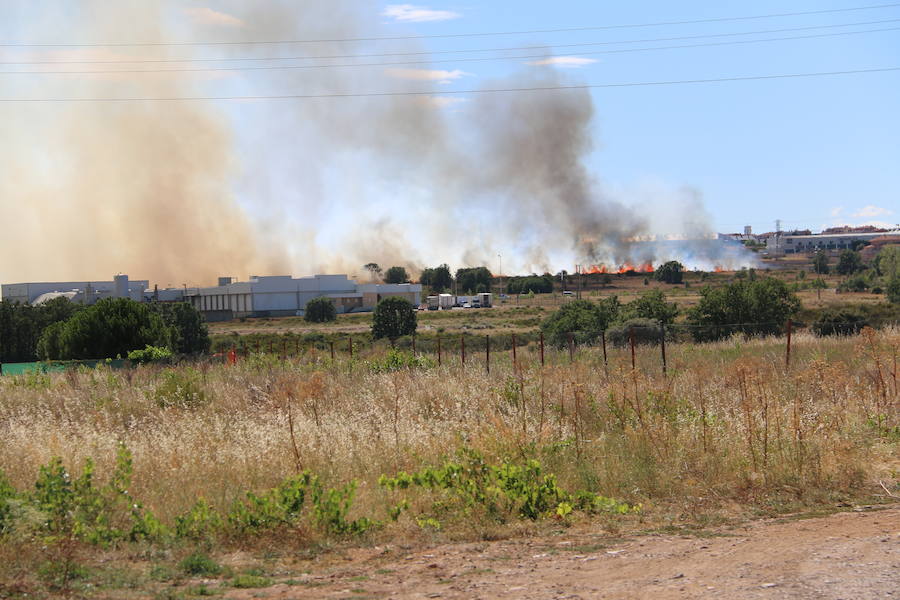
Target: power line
(458, 35)
(437, 52)
(455, 92)
(455, 61)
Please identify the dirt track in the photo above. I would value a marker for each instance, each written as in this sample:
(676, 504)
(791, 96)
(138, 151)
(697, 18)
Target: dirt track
(849, 556)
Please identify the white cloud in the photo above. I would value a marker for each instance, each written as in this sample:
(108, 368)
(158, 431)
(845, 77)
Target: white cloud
(427, 75)
(208, 16)
(570, 62)
(410, 13)
(836, 211)
(872, 211)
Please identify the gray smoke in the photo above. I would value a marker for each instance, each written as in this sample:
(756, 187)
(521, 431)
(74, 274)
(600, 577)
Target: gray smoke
(185, 191)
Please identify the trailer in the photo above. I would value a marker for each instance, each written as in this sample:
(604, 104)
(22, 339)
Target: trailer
(446, 301)
(485, 300)
(433, 302)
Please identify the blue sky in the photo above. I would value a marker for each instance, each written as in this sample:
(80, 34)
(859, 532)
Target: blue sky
(330, 184)
(812, 152)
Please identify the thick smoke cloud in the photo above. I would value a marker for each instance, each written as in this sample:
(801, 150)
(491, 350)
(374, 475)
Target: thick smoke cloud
(185, 191)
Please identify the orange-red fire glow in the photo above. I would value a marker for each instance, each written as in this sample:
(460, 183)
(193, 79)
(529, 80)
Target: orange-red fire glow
(598, 269)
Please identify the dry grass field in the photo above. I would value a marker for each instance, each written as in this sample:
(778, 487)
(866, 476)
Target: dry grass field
(729, 433)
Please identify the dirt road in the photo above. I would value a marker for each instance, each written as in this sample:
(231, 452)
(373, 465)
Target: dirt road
(854, 555)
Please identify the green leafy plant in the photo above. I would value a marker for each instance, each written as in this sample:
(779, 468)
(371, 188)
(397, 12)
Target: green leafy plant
(396, 360)
(150, 354)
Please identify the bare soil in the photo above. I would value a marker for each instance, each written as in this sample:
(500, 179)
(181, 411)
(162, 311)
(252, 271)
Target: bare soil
(853, 555)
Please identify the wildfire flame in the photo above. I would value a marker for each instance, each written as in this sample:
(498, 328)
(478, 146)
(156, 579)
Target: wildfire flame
(625, 268)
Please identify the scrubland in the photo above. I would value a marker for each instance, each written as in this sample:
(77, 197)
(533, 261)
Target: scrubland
(729, 432)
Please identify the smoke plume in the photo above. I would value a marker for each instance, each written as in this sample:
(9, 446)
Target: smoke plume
(183, 191)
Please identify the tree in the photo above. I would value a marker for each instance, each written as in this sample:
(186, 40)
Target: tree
(887, 262)
(651, 305)
(394, 317)
(893, 290)
(819, 285)
(373, 269)
(534, 284)
(112, 327)
(320, 310)
(188, 333)
(758, 307)
(437, 279)
(849, 262)
(21, 326)
(474, 280)
(396, 275)
(670, 272)
(820, 263)
(584, 319)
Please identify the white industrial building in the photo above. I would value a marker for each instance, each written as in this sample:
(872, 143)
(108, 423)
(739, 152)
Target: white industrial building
(783, 243)
(286, 296)
(85, 292)
(273, 296)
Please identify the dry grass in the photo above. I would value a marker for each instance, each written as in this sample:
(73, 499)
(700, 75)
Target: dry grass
(728, 433)
(729, 423)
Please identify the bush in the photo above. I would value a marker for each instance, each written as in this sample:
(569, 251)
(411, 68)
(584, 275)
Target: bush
(320, 310)
(839, 321)
(849, 261)
(856, 283)
(150, 354)
(646, 332)
(581, 318)
(759, 307)
(112, 327)
(394, 317)
(653, 306)
(670, 272)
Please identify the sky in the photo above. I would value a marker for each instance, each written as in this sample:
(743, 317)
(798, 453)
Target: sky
(812, 152)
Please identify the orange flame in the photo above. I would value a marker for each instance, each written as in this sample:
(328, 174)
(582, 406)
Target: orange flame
(600, 269)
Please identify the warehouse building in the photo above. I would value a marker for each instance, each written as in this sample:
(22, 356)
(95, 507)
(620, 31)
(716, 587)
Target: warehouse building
(781, 244)
(84, 292)
(283, 295)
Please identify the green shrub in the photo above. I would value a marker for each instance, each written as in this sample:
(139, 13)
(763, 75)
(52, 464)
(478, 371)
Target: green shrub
(394, 317)
(396, 360)
(150, 354)
(320, 310)
(583, 319)
(839, 321)
(645, 331)
(200, 564)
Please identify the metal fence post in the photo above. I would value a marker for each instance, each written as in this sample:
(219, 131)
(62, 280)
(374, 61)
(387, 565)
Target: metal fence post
(462, 347)
(487, 353)
(787, 356)
(662, 345)
(631, 340)
(542, 348)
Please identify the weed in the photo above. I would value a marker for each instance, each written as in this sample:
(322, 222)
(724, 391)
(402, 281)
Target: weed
(200, 564)
(247, 581)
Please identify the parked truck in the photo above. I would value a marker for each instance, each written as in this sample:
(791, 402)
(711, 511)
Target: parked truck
(485, 300)
(433, 302)
(446, 301)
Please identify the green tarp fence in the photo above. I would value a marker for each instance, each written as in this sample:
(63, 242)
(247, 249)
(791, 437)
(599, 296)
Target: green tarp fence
(57, 366)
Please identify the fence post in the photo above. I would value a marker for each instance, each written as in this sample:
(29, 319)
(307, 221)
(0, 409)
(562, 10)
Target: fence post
(462, 347)
(487, 353)
(662, 345)
(631, 340)
(297, 347)
(542, 348)
(271, 351)
(605, 361)
(439, 349)
(787, 356)
(414, 343)
(350, 337)
(283, 348)
(332, 350)
(571, 347)
(514, 348)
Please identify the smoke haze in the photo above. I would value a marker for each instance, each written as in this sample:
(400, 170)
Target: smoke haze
(186, 191)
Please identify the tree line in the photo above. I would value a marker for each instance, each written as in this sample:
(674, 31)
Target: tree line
(62, 330)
